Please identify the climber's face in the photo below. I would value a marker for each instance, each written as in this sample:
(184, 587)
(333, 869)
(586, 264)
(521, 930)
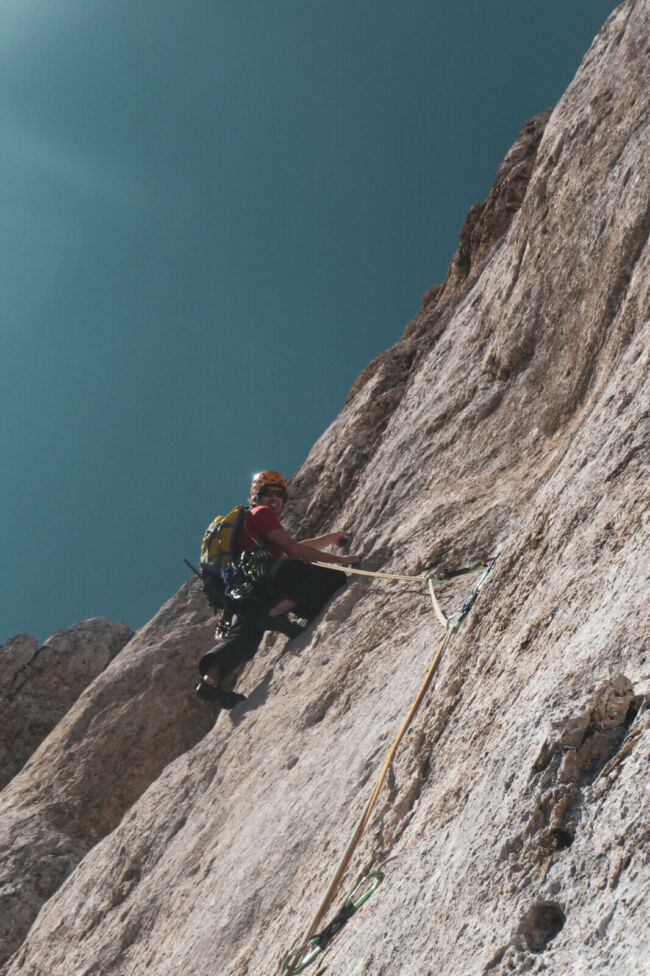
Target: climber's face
(273, 498)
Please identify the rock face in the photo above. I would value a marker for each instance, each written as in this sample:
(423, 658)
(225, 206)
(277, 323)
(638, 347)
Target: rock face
(144, 836)
(38, 686)
(138, 714)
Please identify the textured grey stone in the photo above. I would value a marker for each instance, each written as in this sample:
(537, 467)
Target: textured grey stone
(38, 685)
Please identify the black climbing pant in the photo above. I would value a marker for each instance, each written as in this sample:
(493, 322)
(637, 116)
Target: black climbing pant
(310, 586)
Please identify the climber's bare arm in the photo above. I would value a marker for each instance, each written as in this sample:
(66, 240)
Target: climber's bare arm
(303, 550)
(339, 539)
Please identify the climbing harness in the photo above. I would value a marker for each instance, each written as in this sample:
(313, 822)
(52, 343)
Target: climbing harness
(299, 960)
(309, 947)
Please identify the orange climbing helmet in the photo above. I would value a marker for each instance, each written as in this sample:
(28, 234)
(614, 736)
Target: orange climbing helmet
(267, 479)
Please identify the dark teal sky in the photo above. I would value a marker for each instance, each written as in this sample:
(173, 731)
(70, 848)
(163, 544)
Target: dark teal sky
(215, 214)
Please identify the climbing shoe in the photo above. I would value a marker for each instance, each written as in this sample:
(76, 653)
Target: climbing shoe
(220, 696)
(282, 625)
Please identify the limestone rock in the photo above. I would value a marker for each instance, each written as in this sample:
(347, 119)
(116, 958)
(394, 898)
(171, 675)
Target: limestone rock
(38, 685)
(486, 223)
(138, 714)
(14, 655)
(512, 828)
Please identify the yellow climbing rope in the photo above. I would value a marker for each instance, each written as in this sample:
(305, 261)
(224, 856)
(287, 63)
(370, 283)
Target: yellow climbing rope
(356, 837)
(292, 961)
(436, 606)
(366, 572)
(428, 579)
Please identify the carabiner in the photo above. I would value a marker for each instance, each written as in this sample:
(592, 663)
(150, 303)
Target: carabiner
(303, 956)
(376, 878)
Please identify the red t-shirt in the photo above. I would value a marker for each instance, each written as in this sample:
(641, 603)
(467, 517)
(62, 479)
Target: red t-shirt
(254, 529)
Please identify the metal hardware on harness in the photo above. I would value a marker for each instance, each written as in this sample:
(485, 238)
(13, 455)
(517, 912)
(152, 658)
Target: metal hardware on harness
(254, 564)
(224, 623)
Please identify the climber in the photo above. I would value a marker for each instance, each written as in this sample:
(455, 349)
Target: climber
(288, 583)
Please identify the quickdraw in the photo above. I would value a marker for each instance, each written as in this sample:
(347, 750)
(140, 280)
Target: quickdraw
(298, 959)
